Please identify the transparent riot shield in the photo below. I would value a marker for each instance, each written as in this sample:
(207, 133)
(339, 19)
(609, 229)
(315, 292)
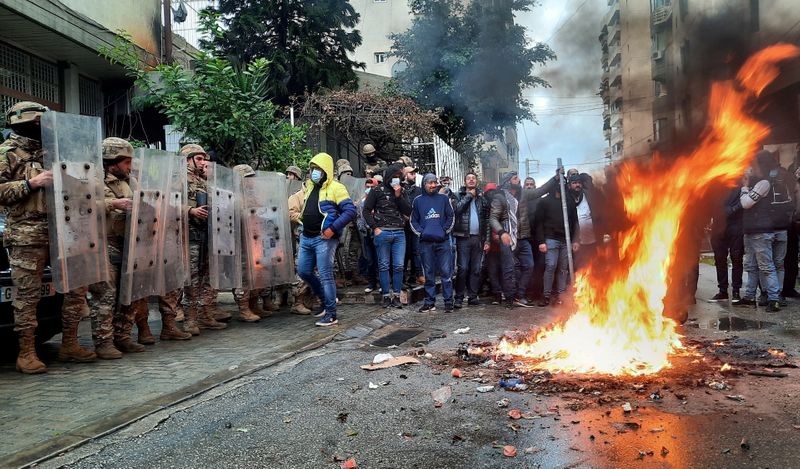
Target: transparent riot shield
(267, 231)
(76, 206)
(175, 253)
(142, 267)
(355, 186)
(292, 187)
(224, 249)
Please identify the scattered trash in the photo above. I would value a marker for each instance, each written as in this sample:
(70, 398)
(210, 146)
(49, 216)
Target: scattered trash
(664, 451)
(509, 451)
(428, 355)
(626, 407)
(768, 374)
(349, 464)
(441, 395)
(656, 396)
(503, 403)
(351, 432)
(339, 379)
(228, 425)
(656, 430)
(243, 430)
(456, 373)
(745, 444)
(373, 385)
(726, 451)
(513, 384)
(462, 330)
(485, 388)
(342, 417)
(382, 357)
(718, 385)
(735, 397)
(515, 414)
(532, 450)
(796, 427)
(641, 455)
(392, 362)
(287, 420)
(623, 427)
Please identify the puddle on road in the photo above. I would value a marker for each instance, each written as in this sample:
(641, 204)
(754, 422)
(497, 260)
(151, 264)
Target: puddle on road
(733, 323)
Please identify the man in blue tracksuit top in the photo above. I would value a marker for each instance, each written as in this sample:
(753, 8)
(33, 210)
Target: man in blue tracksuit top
(432, 218)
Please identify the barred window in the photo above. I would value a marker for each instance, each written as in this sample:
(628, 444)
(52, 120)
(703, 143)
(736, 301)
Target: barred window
(91, 98)
(24, 77)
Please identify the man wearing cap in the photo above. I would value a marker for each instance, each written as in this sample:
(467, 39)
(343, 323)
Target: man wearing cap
(22, 182)
(327, 210)
(199, 297)
(411, 191)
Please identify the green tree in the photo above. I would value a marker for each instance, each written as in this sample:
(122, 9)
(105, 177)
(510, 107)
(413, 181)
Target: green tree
(307, 41)
(224, 107)
(482, 64)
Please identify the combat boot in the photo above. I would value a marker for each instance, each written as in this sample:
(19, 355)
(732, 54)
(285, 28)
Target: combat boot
(145, 336)
(127, 345)
(190, 323)
(245, 313)
(27, 361)
(220, 315)
(256, 309)
(71, 350)
(105, 350)
(300, 308)
(207, 321)
(269, 306)
(170, 331)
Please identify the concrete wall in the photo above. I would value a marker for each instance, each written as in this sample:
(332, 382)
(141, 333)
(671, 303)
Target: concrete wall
(140, 18)
(378, 20)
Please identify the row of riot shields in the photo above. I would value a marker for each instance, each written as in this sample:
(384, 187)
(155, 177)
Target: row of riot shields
(249, 242)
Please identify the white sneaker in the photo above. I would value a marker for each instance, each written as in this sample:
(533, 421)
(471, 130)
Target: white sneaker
(368, 290)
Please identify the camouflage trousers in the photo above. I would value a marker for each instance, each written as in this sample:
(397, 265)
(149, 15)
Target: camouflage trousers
(110, 319)
(27, 265)
(168, 304)
(199, 293)
(349, 251)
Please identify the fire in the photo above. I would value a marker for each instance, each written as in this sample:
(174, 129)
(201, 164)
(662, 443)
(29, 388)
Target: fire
(619, 327)
(725, 367)
(777, 353)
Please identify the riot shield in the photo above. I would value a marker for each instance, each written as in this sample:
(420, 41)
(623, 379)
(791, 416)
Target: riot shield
(267, 231)
(142, 269)
(176, 234)
(292, 187)
(224, 250)
(76, 206)
(355, 186)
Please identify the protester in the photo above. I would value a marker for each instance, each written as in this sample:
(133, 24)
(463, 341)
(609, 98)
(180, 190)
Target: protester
(588, 224)
(432, 220)
(413, 262)
(368, 264)
(471, 234)
(727, 238)
(552, 241)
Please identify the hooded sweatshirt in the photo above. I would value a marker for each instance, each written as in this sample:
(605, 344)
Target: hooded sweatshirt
(432, 215)
(330, 198)
(381, 208)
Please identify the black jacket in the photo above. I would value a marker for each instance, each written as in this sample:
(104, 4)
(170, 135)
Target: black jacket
(462, 210)
(775, 211)
(550, 220)
(382, 209)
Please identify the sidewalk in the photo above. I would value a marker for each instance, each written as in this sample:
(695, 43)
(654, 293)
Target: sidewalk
(44, 413)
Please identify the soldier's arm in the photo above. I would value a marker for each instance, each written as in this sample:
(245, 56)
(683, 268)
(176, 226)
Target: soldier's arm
(11, 191)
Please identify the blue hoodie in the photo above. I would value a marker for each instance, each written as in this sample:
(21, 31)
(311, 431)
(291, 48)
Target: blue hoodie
(432, 215)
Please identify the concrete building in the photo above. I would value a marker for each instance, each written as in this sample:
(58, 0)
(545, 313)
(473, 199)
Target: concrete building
(380, 19)
(49, 52)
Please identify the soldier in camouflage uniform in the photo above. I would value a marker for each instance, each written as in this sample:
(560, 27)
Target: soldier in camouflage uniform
(169, 307)
(199, 297)
(22, 183)
(247, 300)
(372, 166)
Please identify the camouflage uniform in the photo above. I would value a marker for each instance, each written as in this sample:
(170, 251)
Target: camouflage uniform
(27, 239)
(247, 300)
(199, 297)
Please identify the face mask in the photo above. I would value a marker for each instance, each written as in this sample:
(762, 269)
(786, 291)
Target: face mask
(395, 181)
(316, 176)
(366, 191)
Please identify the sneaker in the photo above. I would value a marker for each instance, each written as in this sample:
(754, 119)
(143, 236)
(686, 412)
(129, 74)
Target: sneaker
(545, 301)
(720, 296)
(427, 308)
(396, 302)
(473, 302)
(328, 320)
(497, 299)
(782, 301)
(735, 296)
(458, 304)
(320, 313)
(368, 290)
(523, 303)
(744, 302)
(448, 308)
(387, 302)
(773, 306)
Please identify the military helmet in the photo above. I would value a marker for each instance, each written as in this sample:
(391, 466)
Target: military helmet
(24, 111)
(296, 171)
(368, 149)
(115, 148)
(343, 166)
(191, 150)
(244, 170)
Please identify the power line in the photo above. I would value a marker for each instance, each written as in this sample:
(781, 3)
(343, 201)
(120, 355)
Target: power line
(566, 21)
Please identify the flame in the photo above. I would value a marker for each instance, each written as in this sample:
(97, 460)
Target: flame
(777, 353)
(619, 327)
(725, 367)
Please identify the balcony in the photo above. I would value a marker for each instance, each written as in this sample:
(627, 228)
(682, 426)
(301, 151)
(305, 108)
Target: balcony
(661, 15)
(659, 70)
(613, 33)
(612, 17)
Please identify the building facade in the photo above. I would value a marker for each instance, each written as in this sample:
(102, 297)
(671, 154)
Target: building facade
(380, 19)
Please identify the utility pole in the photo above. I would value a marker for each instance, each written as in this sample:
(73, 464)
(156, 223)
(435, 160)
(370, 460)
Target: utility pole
(167, 32)
(528, 170)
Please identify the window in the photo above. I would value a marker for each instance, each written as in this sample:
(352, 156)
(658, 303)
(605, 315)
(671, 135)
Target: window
(684, 9)
(659, 127)
(380, 57)
(24, 77)
(90, 97)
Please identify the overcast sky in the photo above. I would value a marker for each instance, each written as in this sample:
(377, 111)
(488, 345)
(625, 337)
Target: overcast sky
(570, 113)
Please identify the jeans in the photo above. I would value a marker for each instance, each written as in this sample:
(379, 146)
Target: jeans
(524, 266)
(555, 259)
(368, 267)
(501, 271)
(729, 241)
(468, 277)
(391, 248)
(412, 254)
(767, 252)
(319, 253)
(437, 259)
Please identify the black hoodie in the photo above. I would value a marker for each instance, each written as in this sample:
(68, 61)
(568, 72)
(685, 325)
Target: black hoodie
(381, 208)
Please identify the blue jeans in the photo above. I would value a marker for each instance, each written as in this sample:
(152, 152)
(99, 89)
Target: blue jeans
(437, 259)
(319, 253)
(766, 253)
(391, 248)
(369, 257)
(524, 265)
(468, 277)
(556, 263)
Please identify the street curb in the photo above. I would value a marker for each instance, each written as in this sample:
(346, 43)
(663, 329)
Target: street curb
(126, 417)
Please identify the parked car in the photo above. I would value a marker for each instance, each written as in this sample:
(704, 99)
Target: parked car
(48, 313)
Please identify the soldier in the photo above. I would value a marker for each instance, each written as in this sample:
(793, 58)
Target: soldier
(343, 167)
(293, 173)
(198, 295)
(246, 299)
(22, 183)
(372, 166)
(169, 307)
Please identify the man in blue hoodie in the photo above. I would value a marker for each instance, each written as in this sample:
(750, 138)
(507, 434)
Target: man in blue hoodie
(432, 219)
